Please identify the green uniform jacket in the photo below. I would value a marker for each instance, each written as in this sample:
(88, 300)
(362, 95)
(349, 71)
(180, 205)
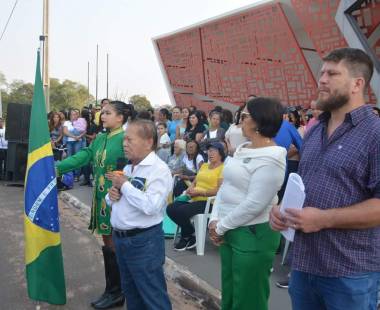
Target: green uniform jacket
(103, 153)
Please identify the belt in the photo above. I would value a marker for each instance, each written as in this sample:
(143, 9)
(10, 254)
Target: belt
(131, 232)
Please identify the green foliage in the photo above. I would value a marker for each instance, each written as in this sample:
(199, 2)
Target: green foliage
(140, 102)
(68, 94)
(3, 81)
(20, 92)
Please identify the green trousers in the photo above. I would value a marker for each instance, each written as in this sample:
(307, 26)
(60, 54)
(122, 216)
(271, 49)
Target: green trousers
(247, 255)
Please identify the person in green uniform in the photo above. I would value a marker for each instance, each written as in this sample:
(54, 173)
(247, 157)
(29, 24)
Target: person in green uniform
(104, 153)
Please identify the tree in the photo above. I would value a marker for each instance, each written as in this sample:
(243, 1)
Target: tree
(65, 95)
(20, 92)
(140, 103)
(3, 81)
(68, 94)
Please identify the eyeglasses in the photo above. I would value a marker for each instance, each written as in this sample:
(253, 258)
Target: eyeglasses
(244, 115)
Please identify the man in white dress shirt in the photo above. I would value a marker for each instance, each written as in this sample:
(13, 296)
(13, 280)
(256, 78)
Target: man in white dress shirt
(138, 199)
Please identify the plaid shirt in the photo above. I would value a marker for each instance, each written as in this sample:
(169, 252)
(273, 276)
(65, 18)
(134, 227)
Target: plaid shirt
(338, 172)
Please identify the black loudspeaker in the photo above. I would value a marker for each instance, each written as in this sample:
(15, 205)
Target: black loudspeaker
(18, 119)
(17, 157)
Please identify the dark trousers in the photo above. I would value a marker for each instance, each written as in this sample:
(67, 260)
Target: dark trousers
(179, 187)
(141, 259)
(181, 213)
(3, 163)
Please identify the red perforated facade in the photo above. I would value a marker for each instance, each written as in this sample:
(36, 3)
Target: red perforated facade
(318, 19)
(254, 51)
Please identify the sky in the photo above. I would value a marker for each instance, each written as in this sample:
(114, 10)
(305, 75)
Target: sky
(122, 28)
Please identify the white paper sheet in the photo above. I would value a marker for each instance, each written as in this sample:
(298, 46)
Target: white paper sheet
(294, 197)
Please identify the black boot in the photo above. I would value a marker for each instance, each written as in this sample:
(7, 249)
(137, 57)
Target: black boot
(112, 296)
(107, 277)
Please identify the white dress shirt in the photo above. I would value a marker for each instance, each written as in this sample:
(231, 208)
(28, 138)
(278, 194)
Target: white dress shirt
(144, 197)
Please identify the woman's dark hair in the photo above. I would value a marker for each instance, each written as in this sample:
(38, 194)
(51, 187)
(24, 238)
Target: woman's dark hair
(227, 116)
(297, 117)
(196, 154)
(218, 108)
(162, 124)
(238, 113)
(198, 116)
(143, 115)
(121, 108)
(221, 152)
(85, 113)
(267, 114)
(51, 120)
(165, 112)
(105, 99)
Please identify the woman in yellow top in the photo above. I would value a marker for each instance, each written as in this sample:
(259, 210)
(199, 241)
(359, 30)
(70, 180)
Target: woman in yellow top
(206, 184)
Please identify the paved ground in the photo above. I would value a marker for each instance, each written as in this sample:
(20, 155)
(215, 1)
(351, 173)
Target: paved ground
(82, 259)
(208, 267)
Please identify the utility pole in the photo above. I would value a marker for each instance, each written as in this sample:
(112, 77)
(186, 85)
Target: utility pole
(97, 58)
(88, 82)
(107, 75)
(45, 62)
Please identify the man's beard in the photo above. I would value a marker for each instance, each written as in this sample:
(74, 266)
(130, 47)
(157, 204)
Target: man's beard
(333, 102)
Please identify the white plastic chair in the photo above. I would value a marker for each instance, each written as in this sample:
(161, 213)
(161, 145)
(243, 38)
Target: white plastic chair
(200, 226)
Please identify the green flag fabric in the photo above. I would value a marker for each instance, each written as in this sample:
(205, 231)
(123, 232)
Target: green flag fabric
(43, 253)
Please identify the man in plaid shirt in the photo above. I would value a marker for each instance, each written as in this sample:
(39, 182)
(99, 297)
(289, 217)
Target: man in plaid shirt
(336, 251)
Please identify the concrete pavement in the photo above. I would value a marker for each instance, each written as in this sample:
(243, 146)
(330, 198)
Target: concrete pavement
(83, 262)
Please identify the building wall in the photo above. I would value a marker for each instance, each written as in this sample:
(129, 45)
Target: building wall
(258, 51)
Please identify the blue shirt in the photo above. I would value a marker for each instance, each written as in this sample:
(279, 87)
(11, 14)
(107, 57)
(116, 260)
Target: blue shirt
(172, 125)
(288, 135)
(339, 171)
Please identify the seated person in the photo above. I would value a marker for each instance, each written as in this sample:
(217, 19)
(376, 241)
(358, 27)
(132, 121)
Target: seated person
(206, 184)
(192, 162)
(163, 147)
(214, 131)
(175, 161)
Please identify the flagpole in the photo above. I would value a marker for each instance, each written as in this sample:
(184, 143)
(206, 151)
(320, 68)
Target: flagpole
(107, 75)
(88, 82)
(45, 73)
(97, 50)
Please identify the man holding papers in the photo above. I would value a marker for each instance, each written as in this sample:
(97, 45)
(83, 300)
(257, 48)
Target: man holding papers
(336, 250)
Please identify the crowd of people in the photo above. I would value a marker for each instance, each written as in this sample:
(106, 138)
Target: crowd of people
(243, 159)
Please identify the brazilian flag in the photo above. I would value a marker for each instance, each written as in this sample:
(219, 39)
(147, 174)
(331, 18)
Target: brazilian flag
(43, 254)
